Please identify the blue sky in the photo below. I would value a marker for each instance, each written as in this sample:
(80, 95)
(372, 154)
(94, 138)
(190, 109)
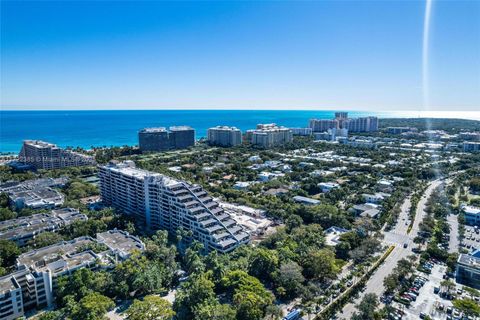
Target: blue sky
(363, 55)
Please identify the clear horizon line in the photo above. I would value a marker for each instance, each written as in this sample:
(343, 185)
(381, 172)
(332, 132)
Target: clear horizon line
(353, 109)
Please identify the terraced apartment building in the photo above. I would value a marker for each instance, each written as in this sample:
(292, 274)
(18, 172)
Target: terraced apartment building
(44, 155)
(161, 202)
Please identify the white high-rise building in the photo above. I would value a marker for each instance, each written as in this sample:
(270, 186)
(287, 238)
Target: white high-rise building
(269, 135)
(161, 202)
(301, 131)
(224, 136)
(342, 121)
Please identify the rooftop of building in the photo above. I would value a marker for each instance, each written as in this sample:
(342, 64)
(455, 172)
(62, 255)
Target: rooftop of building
(329, 184)
(180, 128)
(120, 240)
(40, 144)
(268, 127)
(332, 235)
(8, 282)
(306, 200)
(17, 228)
(128, 168)
(370, 213)
(224, 128)
(41, 259)
(36, 196)
(365, 206)
(31, 184)
(469, 260)
(471, 209)
(154, 129)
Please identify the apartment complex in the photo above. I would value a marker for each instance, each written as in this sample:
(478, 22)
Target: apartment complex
(400, 130)
(224, 136)
(474, 136)
(342, 121)
(468, 270)
(301, 131)
(322, 125)
(11, 302)
(34, 282)
(471, 146)
(24, 229)
(45, 155)
(472, 215)
(269, 135)
(161, 202)
(333, 134)
(161, 139)
(35, 194)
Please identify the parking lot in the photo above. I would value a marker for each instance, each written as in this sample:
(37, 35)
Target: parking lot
(471, 241)
(429, 301)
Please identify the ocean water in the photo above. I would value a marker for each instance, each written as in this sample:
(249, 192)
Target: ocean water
(89, 128)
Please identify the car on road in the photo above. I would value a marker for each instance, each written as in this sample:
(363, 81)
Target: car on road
(405, 245)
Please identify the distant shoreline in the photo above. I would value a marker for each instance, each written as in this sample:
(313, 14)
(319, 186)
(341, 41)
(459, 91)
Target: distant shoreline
(98, 128)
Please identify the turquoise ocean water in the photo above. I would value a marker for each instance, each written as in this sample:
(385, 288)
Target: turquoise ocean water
(118, 128)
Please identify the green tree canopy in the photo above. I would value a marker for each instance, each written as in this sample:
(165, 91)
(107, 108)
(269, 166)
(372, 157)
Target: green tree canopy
(150, 308)
(468, 306)
(93, 306)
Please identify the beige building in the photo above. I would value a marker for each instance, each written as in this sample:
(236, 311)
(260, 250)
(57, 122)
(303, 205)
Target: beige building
(269, 135)
(224, 136)
(45, 155)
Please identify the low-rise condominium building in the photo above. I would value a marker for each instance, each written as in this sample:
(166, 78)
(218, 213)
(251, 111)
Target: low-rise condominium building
(34, 194)
(468, 270)
(24, 229)
(33, 283)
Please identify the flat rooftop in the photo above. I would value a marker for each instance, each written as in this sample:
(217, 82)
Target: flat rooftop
(469, 260)
(128, 168)
(35, 193)
(7, 283)
(180, 128)
(17, 228)
(40, 144)
(153, 130)
(120, 240)
(306, 200)
(227, 128)
(40, 259)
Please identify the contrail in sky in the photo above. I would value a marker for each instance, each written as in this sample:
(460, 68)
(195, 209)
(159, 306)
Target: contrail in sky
(425, 53)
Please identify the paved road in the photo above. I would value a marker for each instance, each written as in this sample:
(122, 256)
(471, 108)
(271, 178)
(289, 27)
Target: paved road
(397, 236)
(454, 243)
